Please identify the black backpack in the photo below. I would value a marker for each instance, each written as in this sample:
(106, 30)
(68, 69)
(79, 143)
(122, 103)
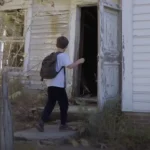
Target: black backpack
(48, 69)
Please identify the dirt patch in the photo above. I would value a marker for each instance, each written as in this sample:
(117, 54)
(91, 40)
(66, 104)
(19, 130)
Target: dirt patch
(38, 146)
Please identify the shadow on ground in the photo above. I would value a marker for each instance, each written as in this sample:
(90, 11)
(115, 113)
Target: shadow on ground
(38, 146)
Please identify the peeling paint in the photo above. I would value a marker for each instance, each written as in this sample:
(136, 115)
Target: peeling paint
(50, 22)
(109, 52)
(110, 57)
(123, 63)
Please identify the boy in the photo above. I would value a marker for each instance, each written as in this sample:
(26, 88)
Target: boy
(56, 86)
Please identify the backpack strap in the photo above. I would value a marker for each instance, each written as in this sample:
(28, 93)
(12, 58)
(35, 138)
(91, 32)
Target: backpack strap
(60, 69)
(65, 77)
(64, 74)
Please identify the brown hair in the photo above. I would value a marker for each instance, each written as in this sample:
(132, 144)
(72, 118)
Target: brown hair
(62, 42)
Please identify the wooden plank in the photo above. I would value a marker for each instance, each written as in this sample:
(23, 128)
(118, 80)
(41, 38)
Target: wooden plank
(141, 33)
(141, 25)
(86, 99)
(141, 97)
(16, 4)
(36, 19)
(41, 47)
(141, 72)
(48, 8)
(137, 41)
(141, 17)
(61, 31)
(42, 42)
(52, 26)
(141, 88)
(141, 49)
(141, 64)
(39, 52)
(108, 75)
(127, 76)
(141, 56)
(84, 3)
(141, 107)
(141, 9)
(77, 71)
(58, 5)
(50, 21)
(141, 2)
(6, 142)
(45, 35)
(28, 19)
(140, 81)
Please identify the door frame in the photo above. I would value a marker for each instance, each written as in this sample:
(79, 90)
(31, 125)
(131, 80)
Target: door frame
(74, 37)
(75, 11)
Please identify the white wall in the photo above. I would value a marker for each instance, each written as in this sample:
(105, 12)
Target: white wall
(136, 68)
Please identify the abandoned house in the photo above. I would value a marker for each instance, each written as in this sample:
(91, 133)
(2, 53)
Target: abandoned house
(112, 35)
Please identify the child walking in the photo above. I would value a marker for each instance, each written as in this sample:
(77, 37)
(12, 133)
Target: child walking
(56, 86)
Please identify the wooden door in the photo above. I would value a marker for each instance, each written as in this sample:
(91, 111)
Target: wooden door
(109, 51)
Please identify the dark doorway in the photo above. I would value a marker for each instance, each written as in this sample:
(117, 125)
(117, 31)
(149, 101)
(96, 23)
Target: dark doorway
(88, 50)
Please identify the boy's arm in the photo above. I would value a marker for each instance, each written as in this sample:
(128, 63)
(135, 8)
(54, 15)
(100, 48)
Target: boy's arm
(75, 64)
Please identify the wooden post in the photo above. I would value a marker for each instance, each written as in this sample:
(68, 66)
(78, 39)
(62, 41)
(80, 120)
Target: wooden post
(6, 141)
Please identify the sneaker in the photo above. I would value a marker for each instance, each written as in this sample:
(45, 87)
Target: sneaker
(65, 128)
(40, 126)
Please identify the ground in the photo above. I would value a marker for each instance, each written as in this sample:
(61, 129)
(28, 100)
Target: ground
(37, 146)
(27, 137)
(51, 139)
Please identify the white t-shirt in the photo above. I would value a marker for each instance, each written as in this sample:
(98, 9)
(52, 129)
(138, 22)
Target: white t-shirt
(59, 81)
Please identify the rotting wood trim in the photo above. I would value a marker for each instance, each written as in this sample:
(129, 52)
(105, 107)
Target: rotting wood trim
(75, 4)
(6, 116)
(2, 2)
(112, 5)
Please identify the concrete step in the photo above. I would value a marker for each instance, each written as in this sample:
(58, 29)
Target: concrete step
(87, 100)
(30, 145)
(51, 134)
(74, 112)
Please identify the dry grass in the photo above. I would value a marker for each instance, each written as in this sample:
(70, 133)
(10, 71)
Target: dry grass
(113, 129)
(23, 100)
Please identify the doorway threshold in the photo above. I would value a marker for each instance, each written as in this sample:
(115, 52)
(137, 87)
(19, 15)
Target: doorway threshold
(86, 99)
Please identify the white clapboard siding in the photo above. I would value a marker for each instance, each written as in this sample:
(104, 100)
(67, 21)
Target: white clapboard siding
(141, 107)
(141, 55)
(145, 97)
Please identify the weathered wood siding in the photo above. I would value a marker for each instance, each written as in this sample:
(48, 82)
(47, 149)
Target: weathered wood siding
(15, 4)
(141, 55)
(48, 23)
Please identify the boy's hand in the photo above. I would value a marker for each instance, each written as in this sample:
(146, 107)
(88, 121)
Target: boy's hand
(78, 62)
(81, 60)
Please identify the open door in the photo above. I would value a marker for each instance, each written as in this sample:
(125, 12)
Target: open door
(109, 51)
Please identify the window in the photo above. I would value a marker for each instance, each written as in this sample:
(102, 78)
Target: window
(12, 37)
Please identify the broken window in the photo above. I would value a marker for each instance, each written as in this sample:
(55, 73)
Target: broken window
(12, 37)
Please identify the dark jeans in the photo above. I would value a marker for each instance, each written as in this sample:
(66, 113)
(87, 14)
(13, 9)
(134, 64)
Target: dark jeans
(56, 94)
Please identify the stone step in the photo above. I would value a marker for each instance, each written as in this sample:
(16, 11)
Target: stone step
(86, 100)
(51, 134)
(74, 112)
(74, 109)
(31, 145)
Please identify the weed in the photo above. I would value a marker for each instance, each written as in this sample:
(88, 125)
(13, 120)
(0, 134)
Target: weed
(111, 127)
